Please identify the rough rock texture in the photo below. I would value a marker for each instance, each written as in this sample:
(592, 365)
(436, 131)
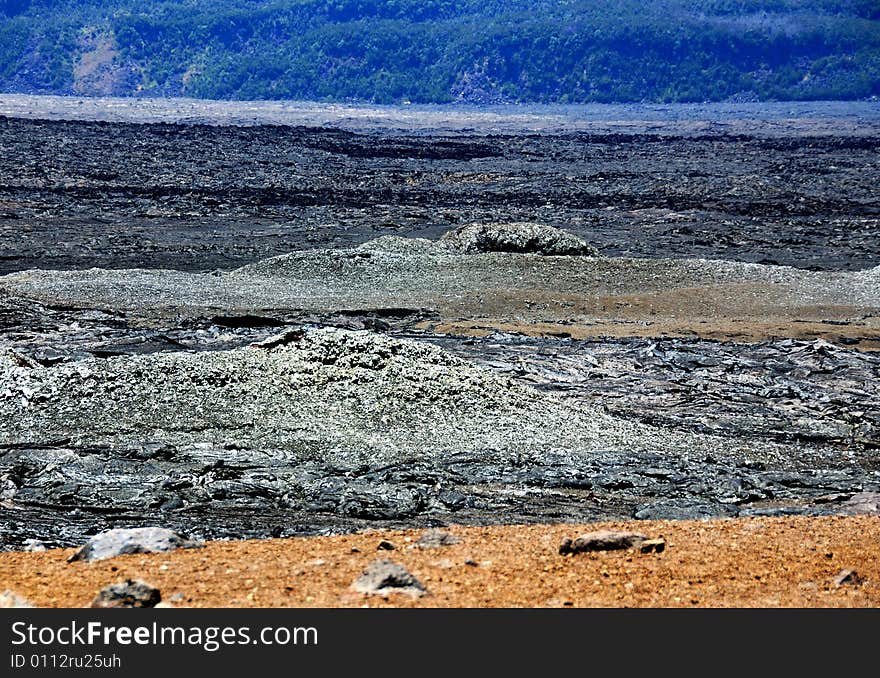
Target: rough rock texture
(520, 237)
(129, 593)
(395, 244)
(862, 503)
(331, 390)
(119, 542)
(10, 599)
(133, 396)
(326, 430)
(602, 540)
(795, 188)
(358, 397)
(383, 577)
(782, 389)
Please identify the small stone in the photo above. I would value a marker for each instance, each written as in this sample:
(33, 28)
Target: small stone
(10, 599)
(130, 593)
(603, 540)
(471, 563)
(847, 577)
(34, 545)
(653, 546)
(135, 540)
(383, 577)
(385, 545)
(433, 539)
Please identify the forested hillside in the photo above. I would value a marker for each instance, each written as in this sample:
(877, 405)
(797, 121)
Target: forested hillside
(477, 51)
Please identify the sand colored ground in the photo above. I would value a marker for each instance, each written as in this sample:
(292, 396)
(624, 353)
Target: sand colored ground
(739, 313)
(753, 562)
(863, 335)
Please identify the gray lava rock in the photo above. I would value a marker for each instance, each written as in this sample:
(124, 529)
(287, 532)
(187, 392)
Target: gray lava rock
(863, 504)
(10, 599)
(385, 545)
(653, 546)
(433, 539)
(520, 237)
(602, 540)
(130, 593)
(383, 577)
(847, 577)
(136, 540)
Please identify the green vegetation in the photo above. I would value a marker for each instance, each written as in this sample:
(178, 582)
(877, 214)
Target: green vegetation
(388, 51)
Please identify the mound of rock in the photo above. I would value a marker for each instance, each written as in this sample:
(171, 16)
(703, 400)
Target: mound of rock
(520, 237)
(395, 244)
(321, 389)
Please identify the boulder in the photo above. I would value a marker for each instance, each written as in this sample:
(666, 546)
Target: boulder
(383, 577)
(603, 540)
(119, 541)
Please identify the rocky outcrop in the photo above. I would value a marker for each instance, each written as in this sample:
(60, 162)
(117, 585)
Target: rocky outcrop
(518, 237)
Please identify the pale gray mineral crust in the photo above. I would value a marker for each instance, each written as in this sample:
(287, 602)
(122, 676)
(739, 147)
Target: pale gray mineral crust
(122, 541)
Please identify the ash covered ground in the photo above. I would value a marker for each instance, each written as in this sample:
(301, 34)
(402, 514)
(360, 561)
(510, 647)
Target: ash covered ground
(209, 326)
